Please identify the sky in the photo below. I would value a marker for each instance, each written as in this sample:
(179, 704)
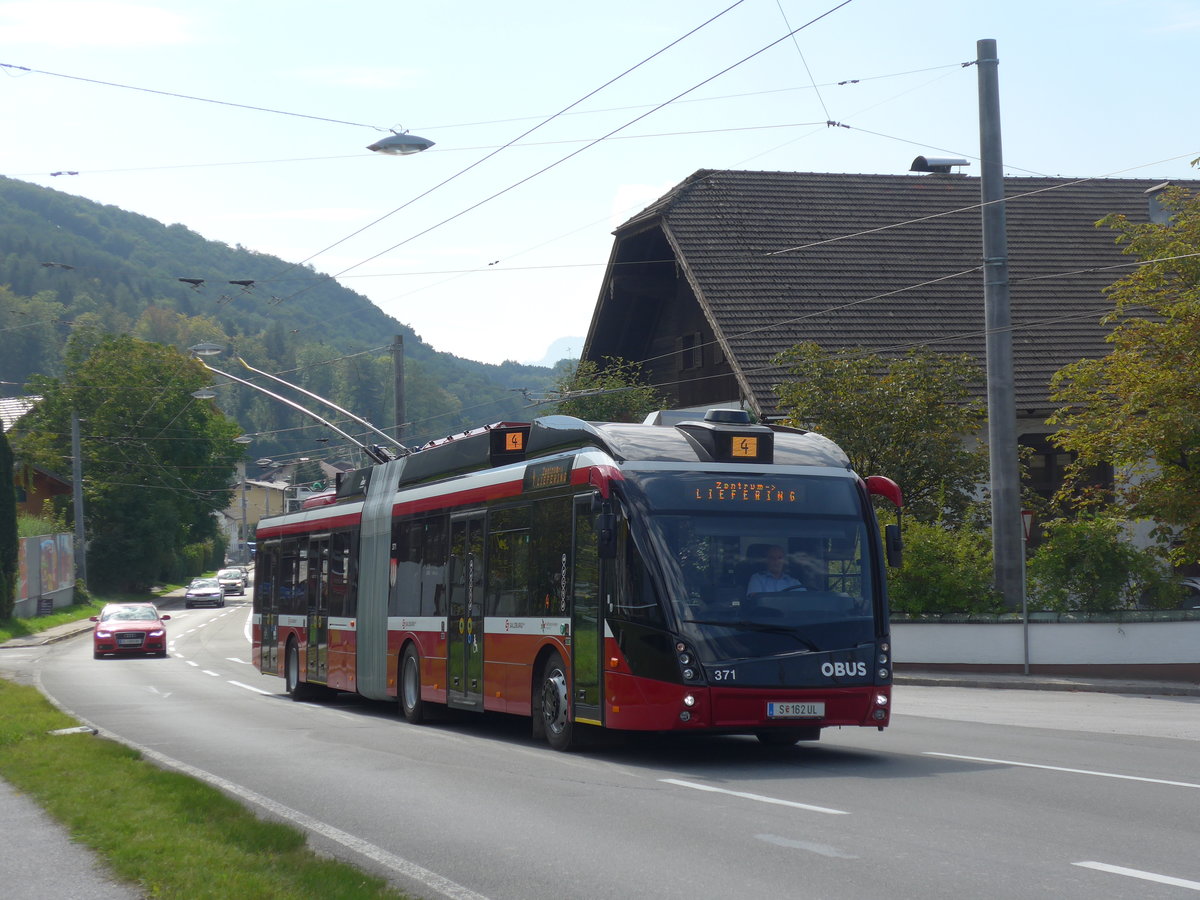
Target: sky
(552, 124)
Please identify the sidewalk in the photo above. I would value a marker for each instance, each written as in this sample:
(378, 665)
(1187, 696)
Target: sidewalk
(38, 860)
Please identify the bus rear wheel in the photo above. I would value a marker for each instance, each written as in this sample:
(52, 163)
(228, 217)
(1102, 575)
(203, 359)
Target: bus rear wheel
(555, 705)
(411, 704)
(297, 689)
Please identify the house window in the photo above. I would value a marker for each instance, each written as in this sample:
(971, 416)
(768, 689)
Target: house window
(1048, 463)
(691, 354)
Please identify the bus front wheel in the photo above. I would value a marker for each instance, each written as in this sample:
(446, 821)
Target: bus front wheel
(411, 704)
(555, 704)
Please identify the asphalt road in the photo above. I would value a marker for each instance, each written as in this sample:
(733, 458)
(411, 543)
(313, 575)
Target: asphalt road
(970, 793)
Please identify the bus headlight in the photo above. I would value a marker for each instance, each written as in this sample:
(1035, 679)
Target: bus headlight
(687, 663)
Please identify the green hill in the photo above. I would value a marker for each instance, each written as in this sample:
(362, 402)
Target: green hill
(68, 263)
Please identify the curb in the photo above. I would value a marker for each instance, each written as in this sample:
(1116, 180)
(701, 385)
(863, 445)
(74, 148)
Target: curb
(1023, 683)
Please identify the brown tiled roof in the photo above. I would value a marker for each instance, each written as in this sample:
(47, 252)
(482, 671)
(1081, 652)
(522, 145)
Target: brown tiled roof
(877, 260)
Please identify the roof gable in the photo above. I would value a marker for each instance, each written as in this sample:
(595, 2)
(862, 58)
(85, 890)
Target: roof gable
(885, 262)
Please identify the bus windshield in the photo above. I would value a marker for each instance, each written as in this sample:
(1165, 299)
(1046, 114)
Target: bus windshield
(745, 582)
(748, 586)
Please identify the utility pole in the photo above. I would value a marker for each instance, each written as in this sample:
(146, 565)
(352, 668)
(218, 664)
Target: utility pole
(243, 535)
(1007, 547)
(77, 496)
(398, 411)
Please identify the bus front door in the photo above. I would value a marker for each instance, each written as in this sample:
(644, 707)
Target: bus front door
(586, 620)
(464, 647)
(318, 610)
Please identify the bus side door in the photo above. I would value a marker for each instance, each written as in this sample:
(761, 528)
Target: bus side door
(464, 645)
(318, 610)
(266, 603)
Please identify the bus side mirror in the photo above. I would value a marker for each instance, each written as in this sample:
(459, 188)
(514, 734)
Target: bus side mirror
(893, 545)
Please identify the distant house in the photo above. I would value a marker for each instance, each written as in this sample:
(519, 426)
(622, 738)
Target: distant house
(727, 269)
(34, 485)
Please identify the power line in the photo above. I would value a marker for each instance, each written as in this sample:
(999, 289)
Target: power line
(575, 153)
(515, 140)
(177, 96)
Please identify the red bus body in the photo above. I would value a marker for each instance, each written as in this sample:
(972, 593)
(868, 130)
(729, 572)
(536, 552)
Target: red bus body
(591, 576)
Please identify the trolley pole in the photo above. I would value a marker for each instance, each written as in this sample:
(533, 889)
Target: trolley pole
(1007, 548)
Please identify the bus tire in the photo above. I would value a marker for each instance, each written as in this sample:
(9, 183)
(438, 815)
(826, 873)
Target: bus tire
(297, 689)
(411, 705)
(554, 704)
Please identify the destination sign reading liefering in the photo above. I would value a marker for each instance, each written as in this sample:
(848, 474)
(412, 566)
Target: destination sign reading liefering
(745, 492)
(547, 474)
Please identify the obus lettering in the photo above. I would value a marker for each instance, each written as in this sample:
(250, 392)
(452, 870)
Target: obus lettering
(843, 669)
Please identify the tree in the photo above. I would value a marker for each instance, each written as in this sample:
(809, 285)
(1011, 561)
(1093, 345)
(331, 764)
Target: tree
(1086, 564)
(614, 392)
(1139, 407)
(8, 530)
(157, 462)
(906, 417)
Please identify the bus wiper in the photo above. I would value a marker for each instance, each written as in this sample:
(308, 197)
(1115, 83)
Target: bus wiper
(759, 626)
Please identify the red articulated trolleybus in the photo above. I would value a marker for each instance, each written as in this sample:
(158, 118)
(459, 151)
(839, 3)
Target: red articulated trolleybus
(711, 576)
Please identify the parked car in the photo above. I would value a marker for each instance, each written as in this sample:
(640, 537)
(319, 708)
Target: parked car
(129, 628)
(204, 591)
(233, 580)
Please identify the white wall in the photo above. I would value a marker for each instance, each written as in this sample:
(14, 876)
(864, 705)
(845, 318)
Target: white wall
(1050, 643)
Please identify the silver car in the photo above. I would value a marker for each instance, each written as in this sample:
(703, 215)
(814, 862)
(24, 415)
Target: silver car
(233, 580)
(204, 591)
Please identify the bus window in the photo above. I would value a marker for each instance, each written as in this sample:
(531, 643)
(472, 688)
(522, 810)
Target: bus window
(293, 576)
(434, 547)
(508, 563)
(341, 574)
(636, 598)
(551, 551)
(407, 541)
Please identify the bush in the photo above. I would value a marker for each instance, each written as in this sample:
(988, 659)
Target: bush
(1086, 565)
(946, 570)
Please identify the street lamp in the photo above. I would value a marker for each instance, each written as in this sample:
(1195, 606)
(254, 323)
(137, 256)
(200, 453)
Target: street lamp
(207, 349)
(401, 144)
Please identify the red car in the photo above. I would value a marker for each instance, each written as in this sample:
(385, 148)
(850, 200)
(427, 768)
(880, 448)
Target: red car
(129, 628)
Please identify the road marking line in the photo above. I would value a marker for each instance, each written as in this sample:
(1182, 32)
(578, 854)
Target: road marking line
(1137, 873)
(819, 849)
(759, 797)
(252, 688)
(1009, 762)
(236, 660)
(211, 672)
(193, 663)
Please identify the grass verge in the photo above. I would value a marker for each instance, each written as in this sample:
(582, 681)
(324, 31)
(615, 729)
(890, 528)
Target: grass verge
(167, 834)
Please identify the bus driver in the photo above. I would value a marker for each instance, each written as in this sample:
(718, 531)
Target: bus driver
(772, 578)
